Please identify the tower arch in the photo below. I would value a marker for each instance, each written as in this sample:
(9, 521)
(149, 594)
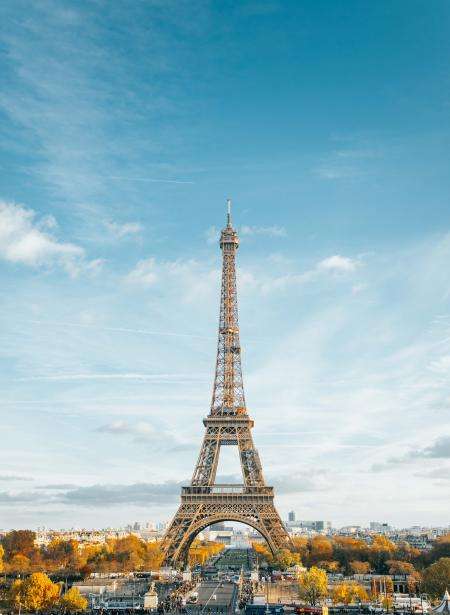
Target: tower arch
(181, 557)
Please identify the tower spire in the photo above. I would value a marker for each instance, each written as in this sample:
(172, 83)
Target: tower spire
(228, 392)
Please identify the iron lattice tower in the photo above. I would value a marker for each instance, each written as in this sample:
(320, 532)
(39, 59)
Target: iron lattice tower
(204, 502)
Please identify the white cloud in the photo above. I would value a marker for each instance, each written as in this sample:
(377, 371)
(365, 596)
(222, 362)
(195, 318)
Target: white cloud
(338, 263)
(269, 231)
(122, 230)
(25, 240)
(145, 273)
(192, 280)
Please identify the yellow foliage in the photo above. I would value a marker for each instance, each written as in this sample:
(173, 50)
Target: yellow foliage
(19, 563)
(263, 551)
(72, 601)
(381, 543)
(36, 593)
(201, 551)
(347, 593)
(359, 567)
(313, 585)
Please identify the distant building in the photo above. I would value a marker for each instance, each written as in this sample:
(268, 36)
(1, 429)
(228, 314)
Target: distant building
(312, 526)
(380, 528)
(291, 516)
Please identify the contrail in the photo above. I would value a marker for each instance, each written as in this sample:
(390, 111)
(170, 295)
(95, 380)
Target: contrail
(118, 329)
(150, 179)
(161, 378)
(119, 177)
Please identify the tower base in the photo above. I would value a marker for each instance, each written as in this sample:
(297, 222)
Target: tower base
(204, 505)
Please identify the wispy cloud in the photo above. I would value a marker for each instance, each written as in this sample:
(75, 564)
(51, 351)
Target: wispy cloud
(12, 477)
(137, 494)
(123, 230)
(269, 231)
(439, 449)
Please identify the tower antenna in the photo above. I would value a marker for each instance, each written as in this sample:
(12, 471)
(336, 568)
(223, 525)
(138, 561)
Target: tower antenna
(228, 212)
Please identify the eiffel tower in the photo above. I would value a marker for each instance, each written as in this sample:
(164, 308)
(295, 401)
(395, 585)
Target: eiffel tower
(204, 502)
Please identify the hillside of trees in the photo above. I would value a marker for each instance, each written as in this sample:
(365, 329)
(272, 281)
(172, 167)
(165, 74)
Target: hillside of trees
(20, 555)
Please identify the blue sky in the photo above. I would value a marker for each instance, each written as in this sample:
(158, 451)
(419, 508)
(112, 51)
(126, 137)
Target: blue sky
(123, 129)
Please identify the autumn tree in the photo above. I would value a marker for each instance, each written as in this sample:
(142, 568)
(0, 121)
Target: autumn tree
(36, 593)
(263, 552)
(381, 550)
(399, 567)
(285, 558)
(320, 549)
(72, 601)
(19, 541)
(16, 595)
(19, 564)
(347, 593)
(201, 551)
(406, 553)
(414, 582)
(358, 567)
(348, 549)
(301, 546)
(441, 548)
(313, 585)
(129, 553)
(330, 566)
(153, 556)
(62, 554)
(2, 553)
(436, 578)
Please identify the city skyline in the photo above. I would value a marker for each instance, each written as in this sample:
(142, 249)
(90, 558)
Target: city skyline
(123, 132)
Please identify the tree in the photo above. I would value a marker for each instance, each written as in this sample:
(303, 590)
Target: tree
(358, 567)
(284, 558)
(62, 554)
(19, 563)
(330, 566)
(313, 585)
(441, 548)
(154, 556)
(301, 546)
(16, 596)
(436, 578)
(399, 567)
(347, 593)
(72, 601)
(321, 549)
(35, 593)
(19, 541)
(2, 553)
(381, 550)
(407, 553)
(262, 552)
(414, 582)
